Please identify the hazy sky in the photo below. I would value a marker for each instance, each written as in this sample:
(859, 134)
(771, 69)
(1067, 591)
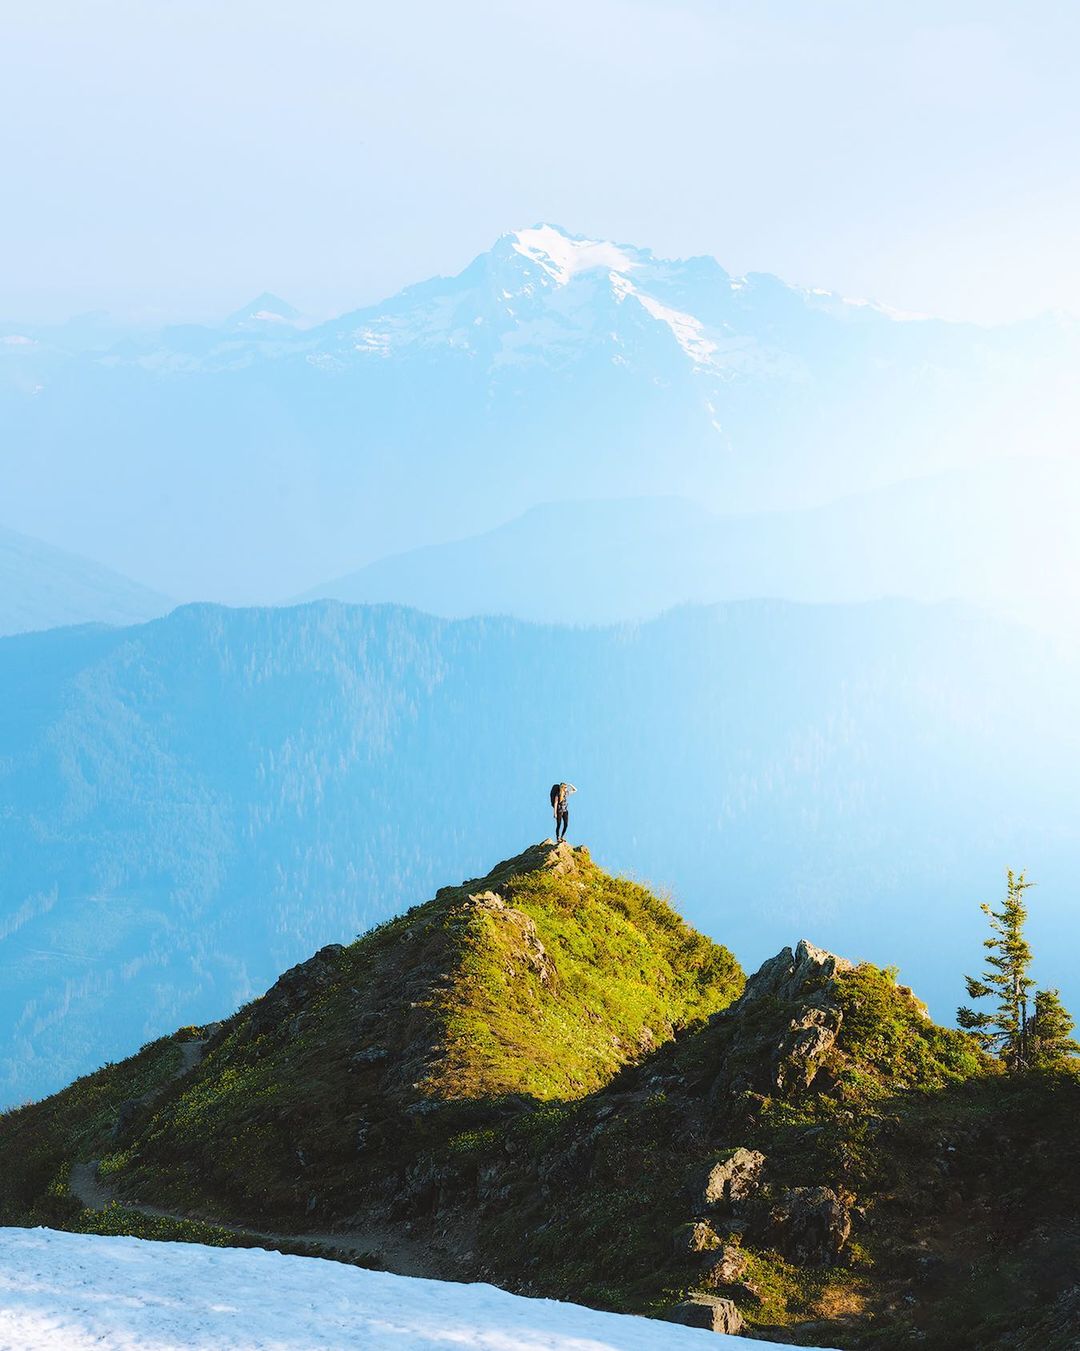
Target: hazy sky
(174, 157)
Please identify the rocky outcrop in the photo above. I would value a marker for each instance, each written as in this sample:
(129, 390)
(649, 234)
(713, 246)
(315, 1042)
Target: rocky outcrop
(725, 1266)
(696, 1237)
(794, 975)
(808, 1225)
(805, 1047)
(731, 1179)
(707, 1311)
(784, 1026)
(527, 951)
(294, 990)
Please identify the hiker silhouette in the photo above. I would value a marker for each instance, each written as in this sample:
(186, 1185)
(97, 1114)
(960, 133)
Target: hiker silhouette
(560, 800)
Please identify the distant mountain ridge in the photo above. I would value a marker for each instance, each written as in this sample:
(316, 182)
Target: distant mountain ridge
(191, 805)
(1000, 536)
(551, 366)
(42, 587)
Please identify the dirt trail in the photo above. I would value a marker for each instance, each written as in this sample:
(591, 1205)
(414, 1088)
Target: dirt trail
(401, 1257)
(391, 1249)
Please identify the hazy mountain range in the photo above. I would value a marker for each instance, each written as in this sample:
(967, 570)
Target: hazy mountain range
(1001, 535)
(188, 806)
(42, 587)
(256, 458)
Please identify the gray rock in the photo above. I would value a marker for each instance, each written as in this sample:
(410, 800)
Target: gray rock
(696, 1237)
(724, 1266)
(369, 1056)
(291, 991)
(732, 1178)
(793, 975)
(707, 1311)
(808, 1042)
(809, 1225)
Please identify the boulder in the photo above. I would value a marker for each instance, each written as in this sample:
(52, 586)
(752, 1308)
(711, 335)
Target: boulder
(725, 1266)
(809, 1225)
(696, 1237)
(733, 1177)
(707, 1311)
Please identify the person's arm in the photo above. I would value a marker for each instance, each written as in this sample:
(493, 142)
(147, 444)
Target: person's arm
(570, 788)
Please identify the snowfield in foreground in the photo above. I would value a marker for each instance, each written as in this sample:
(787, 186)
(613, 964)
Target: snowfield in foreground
(72, 1292)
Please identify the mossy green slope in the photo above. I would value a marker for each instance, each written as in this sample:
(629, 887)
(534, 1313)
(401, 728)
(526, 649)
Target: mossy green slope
(39, 1142)
(544, 1078)
(575, 974)
(536, 982)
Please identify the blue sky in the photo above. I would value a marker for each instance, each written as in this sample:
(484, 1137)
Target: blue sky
(173, 159)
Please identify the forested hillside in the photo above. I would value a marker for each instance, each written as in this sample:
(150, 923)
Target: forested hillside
(190, 806)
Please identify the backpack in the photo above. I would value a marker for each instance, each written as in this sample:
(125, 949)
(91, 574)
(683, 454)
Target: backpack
(556, 789)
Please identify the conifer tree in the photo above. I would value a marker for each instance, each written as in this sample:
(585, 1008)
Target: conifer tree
(1005, 1030)
(1050, 1043)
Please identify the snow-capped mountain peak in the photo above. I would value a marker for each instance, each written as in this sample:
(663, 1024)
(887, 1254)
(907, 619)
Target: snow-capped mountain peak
(563, 256)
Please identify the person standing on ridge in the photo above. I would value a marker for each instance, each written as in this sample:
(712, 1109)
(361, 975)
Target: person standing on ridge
(560, 805)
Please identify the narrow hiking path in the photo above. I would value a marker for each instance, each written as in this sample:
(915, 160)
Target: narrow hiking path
(400, 1257)
(392, 1249)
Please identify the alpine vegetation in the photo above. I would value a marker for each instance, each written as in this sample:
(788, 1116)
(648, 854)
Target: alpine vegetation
(1021, 1041)
(545, 1079)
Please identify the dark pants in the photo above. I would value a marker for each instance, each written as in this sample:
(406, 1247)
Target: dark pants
(562, 820)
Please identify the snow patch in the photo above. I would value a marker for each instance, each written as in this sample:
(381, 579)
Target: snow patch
(82, 1292)
(687, 331)
(562, 257)
(889, 311)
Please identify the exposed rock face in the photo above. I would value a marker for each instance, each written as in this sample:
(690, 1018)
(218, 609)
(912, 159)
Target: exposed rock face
(731, 1179)
(709, 1312)
(370, 1056)
(809, 1225)
(294, 990)
(793, 975)
(696, 1237)
(773, 1042)
(787, 1062)
(726, 1266)
(801, 1054)
(529, 952)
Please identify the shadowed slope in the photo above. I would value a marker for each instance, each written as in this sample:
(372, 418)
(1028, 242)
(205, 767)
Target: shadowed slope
(539, 980)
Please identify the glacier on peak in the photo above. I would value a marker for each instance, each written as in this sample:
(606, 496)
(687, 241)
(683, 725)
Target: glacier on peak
(562, 255)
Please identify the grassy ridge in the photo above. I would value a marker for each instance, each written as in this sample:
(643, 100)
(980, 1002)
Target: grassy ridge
(536, 982)
(622, 970)
(532, 1072)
